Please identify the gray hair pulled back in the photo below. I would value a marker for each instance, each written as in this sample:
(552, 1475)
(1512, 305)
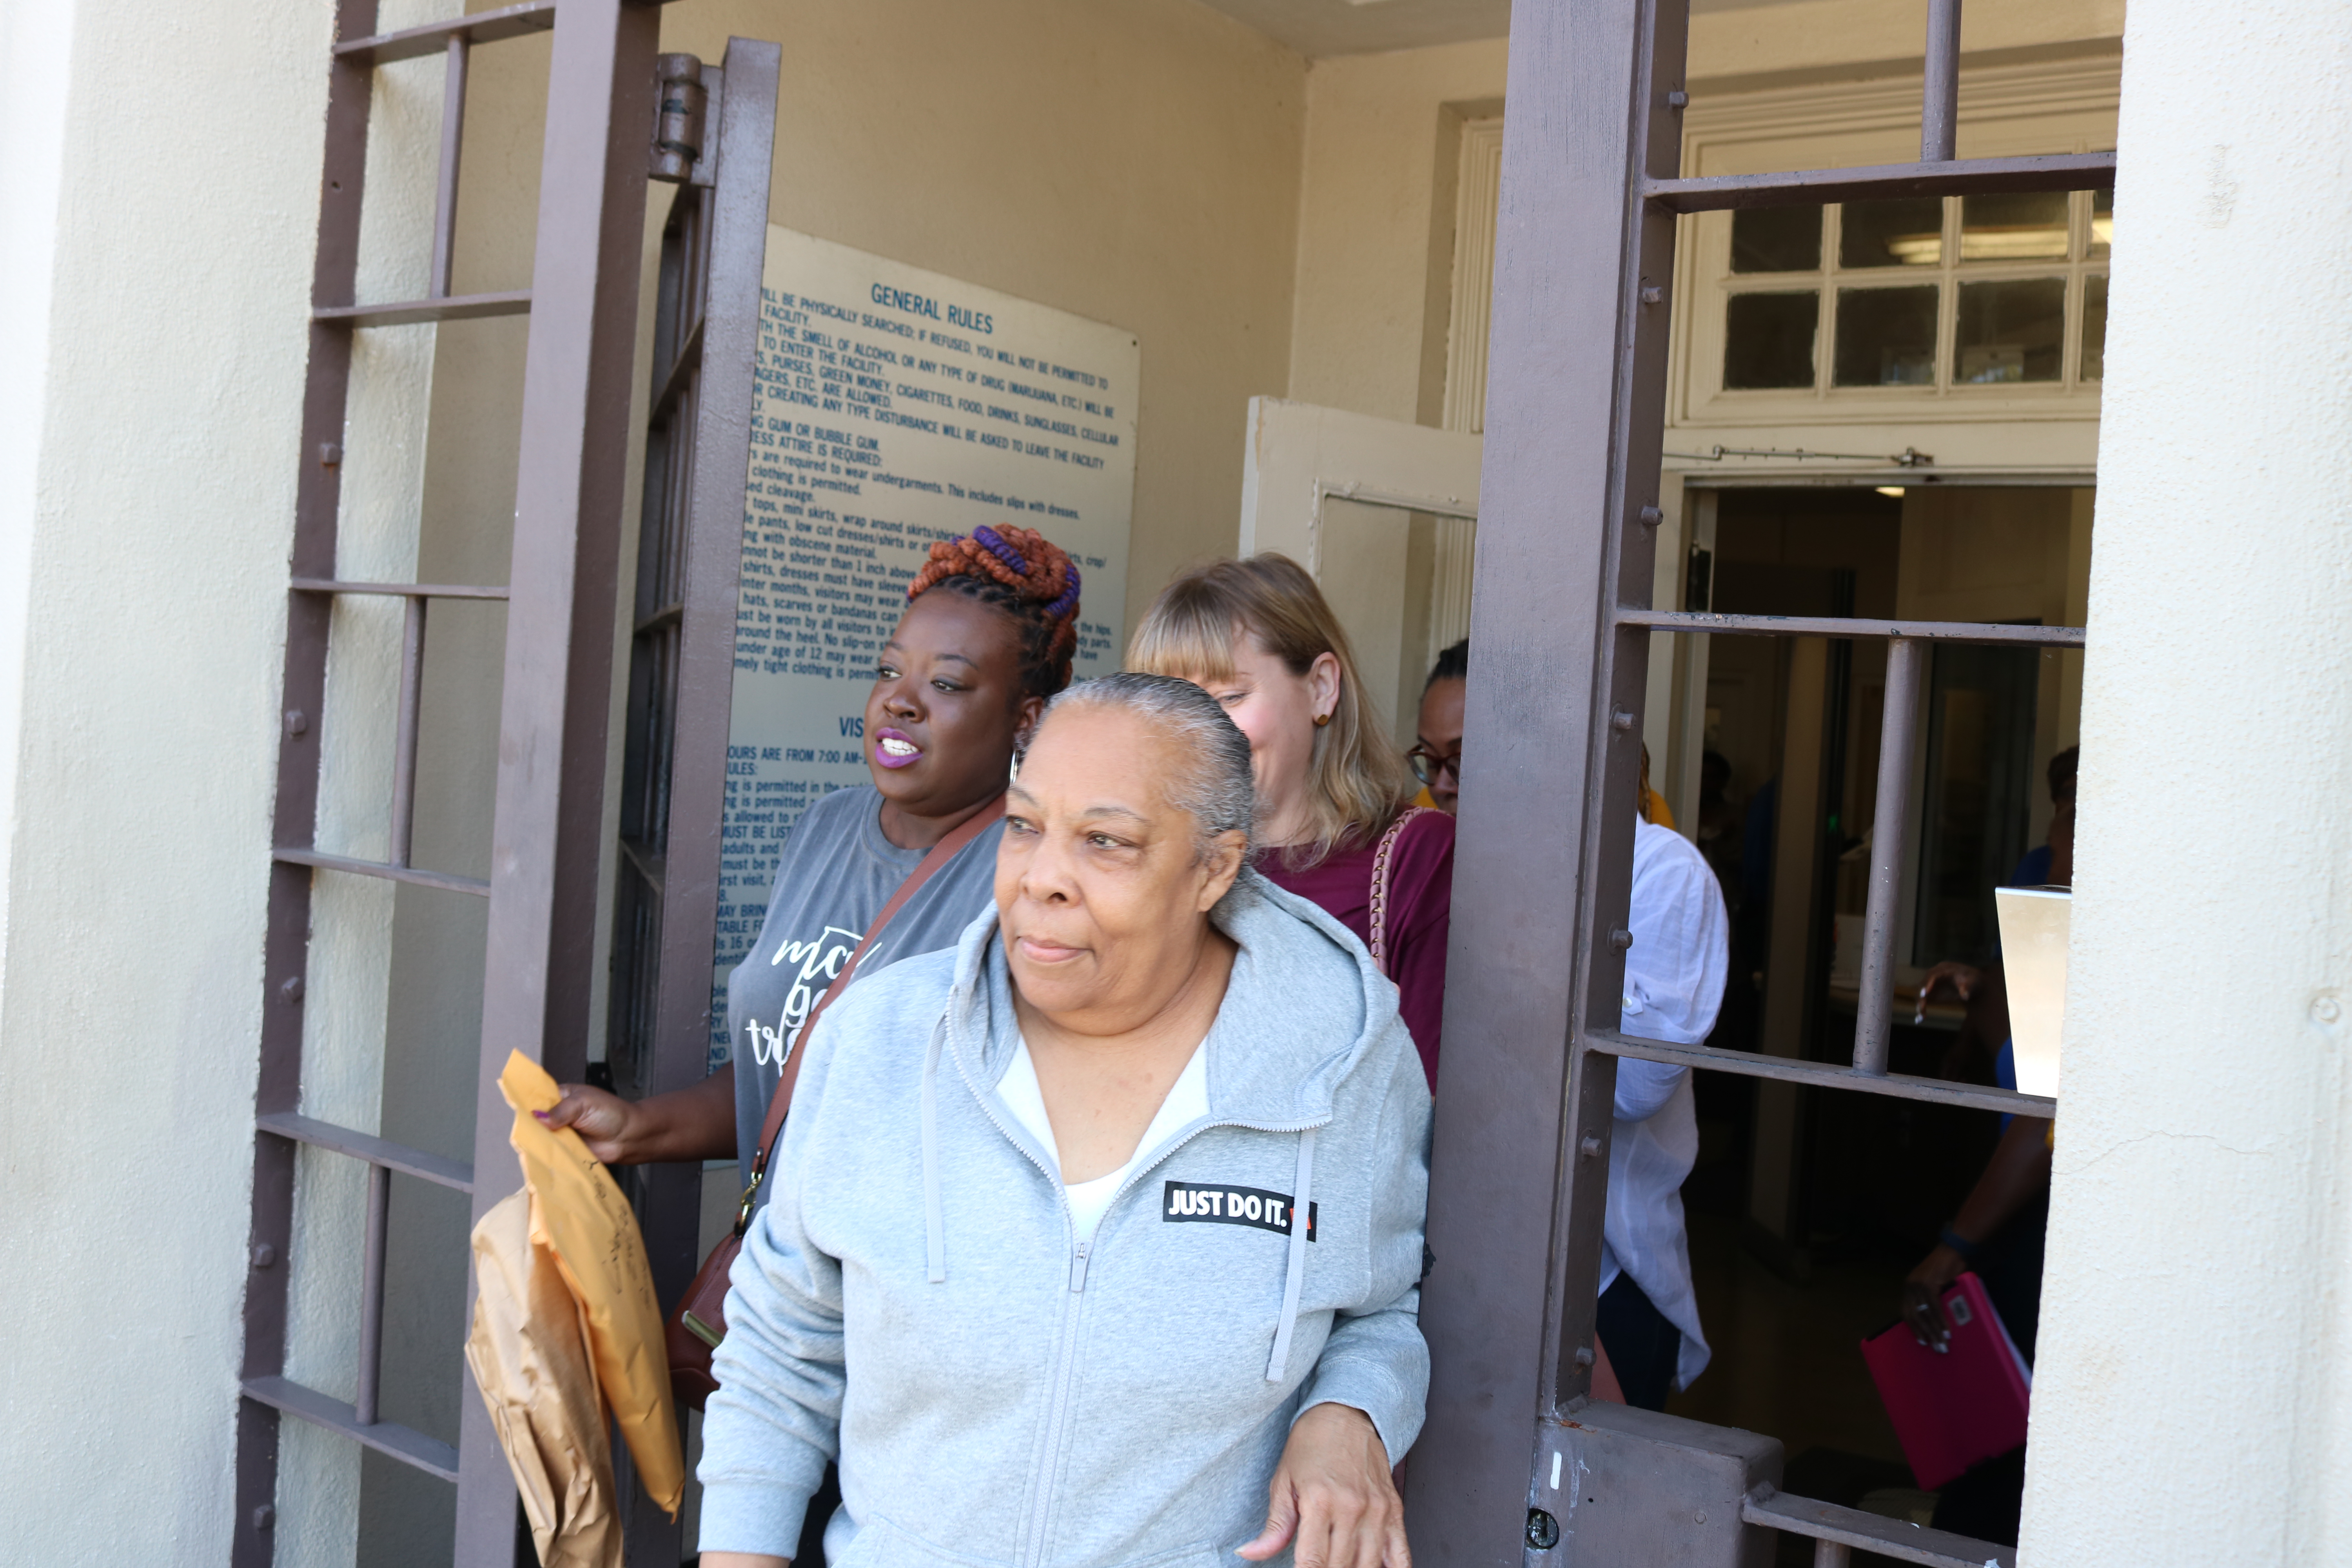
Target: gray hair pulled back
(1213, 785)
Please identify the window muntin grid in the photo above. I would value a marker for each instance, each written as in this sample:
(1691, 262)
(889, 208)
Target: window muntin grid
(2003, 292)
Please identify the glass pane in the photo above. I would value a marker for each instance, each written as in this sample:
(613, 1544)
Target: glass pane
(1909, 233)
(1980, 796)
(2103, 223)
(2094, 328)
(1777, 240)
(2010, 331)
(2023, 226)
(1886, 337)
(1768, 341)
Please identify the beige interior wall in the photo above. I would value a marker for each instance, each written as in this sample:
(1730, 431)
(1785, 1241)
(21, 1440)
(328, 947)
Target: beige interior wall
(1136, 163)
(1743, 46)
(1376, 224)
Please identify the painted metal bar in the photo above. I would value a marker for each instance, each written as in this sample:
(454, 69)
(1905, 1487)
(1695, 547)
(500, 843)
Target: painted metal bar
(481, 27)
(1907, 660)
(547, 827)
(1939, 99)
(1812, 187)
(278, 1085)
(646, 864)
(445, 881)
(295, 1128)
(408, 312)
(453, 141)
(1834, 626)
(406, 1444)
(401, 590)
(1821, 1075)
(404, 744)
(1574, 436)
(1832, 1554)
(682, 370)
(708, 437)
(1397, 501)
(1898, 1539)
(379, 1215)
(726, 336)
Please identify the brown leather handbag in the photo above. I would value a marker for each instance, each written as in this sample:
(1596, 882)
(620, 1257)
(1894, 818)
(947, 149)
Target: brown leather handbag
(699, 1319)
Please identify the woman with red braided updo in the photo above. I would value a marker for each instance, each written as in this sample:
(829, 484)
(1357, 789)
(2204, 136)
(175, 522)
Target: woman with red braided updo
(991, 625)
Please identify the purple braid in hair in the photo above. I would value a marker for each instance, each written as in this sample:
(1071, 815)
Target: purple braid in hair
(995, 544)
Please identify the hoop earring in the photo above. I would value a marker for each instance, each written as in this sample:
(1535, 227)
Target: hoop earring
(1321, 720)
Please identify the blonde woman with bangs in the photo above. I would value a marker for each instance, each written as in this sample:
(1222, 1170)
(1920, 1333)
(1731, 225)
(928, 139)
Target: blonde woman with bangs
(1334, 795)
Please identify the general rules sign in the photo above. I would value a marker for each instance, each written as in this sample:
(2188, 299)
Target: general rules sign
(893, 408)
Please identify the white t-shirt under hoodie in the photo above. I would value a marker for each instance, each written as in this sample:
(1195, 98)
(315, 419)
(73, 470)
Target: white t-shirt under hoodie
(1187, 1102)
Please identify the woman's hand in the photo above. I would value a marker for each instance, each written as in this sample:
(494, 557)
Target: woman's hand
(1965, 978)
(1333, 1497)
(1923, 1296)
(695, 1123)
(602, 1119)
(743, 1560)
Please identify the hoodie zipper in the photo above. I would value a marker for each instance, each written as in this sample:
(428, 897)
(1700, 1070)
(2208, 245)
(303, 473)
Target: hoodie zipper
(1065, 1357)
(1064, 1351)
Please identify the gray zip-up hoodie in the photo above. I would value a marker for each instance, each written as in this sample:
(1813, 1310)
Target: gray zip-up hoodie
(914, 1301)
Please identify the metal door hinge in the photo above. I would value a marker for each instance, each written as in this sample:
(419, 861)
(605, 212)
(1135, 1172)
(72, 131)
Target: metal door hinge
(680, 119)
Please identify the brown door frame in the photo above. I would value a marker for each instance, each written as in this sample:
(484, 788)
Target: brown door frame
(682, 654)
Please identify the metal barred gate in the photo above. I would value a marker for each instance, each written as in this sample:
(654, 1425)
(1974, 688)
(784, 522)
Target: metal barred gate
(606, 130)
(1516, 1465)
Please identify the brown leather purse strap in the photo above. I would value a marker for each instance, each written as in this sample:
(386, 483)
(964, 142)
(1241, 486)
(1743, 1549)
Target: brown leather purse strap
(945, 850)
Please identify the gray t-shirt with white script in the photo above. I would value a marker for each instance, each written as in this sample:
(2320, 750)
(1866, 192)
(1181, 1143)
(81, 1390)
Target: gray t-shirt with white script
(836, 873)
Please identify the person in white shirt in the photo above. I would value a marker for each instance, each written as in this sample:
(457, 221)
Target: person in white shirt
(1673, 984)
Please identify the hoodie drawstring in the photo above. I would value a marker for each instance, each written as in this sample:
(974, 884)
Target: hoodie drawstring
(934, 1227)
(1302, 1212)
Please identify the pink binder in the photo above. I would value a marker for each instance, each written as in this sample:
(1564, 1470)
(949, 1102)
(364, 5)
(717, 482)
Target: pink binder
(1959, 1408)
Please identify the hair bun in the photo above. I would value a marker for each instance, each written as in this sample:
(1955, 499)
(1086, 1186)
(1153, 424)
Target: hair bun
(1023, 571)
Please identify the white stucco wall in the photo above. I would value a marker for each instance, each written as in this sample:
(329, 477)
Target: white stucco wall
(33, 39)
(2194, 1388)
(160, 503)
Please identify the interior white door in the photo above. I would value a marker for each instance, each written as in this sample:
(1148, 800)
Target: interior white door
(1383, 515)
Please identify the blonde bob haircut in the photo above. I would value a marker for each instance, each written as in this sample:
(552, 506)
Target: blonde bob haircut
(1356, 779)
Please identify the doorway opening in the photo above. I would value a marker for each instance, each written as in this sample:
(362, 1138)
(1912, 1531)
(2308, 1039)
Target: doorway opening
(1807, 1210)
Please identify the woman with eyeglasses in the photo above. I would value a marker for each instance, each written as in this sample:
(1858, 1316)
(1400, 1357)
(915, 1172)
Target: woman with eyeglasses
(1334, 796)
(1436, 755)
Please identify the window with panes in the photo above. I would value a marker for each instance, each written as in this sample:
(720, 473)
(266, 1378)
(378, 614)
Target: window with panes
(1921, 296)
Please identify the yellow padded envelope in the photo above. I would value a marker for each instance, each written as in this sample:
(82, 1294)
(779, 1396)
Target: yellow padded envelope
(578, 1213)
(528, 1350)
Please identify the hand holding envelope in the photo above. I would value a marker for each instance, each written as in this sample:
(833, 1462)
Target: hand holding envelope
(566, 1325)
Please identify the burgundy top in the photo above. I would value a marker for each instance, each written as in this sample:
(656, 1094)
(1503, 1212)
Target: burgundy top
(1421, 906)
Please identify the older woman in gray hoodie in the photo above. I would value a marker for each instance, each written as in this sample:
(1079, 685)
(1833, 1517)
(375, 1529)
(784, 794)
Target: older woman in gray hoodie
(1096, 1240)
